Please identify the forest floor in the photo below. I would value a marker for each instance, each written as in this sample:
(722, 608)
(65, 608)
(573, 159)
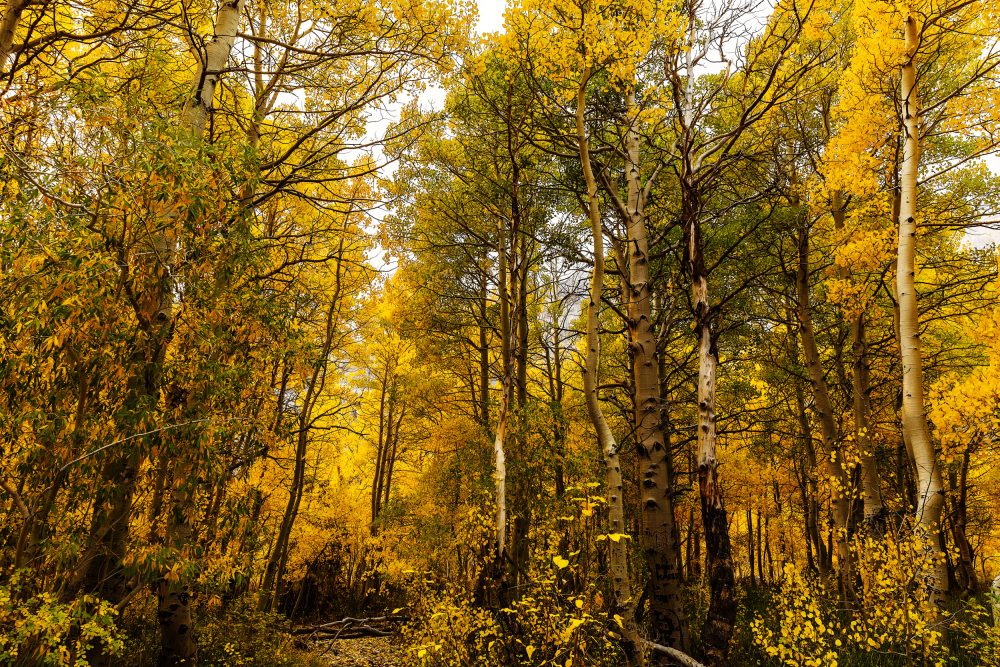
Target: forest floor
(362, 652)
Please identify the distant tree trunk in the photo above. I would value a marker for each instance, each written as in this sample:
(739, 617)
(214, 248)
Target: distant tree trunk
(930, 487)
(750, 551)
(965, 569)
(393, 453)
(810, 492)
(278, 558)
(760, 550)
(384, 423)
(874, 512)
(553, 374)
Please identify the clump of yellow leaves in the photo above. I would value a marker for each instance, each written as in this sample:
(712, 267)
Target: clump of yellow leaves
(568, 37)
(58, 633)
(891, 612)
(557, 616)
(965, 409)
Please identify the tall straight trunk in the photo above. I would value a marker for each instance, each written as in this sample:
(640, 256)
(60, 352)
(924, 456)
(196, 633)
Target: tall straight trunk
(874, 511)
(521, 520)
(484, 359)
(658, 536)
(381, 448)
(966, 567)
(553, 370)
(810, 492)
(721, 617)
(617, 549)
(500, 437)
(832, 456)
(692, 536)
(760, 550)
(930, 486)
(392, 457)
(750, 551)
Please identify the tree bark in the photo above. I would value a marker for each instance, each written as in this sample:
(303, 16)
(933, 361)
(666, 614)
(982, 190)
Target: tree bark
(719, 622)
(930, 486)
(617, 549)
(8, 26)
(198, 109)
(659, 533)
(832, 463)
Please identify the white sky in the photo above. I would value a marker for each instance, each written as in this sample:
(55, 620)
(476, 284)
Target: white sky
(490, 15)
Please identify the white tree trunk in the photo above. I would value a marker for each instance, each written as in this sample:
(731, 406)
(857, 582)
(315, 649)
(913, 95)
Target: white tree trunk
(213, 62)
(930, 487)
(8, 26)
(617, 549)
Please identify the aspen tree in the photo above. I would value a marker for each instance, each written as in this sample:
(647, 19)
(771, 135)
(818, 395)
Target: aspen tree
(656, 504)
(832, 456)
(178, 645)
(930, 486)
(8, 27)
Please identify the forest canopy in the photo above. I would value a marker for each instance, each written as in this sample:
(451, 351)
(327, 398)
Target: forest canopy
(632, 332)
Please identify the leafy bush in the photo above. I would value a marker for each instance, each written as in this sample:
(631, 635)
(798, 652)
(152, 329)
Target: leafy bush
(41, 630)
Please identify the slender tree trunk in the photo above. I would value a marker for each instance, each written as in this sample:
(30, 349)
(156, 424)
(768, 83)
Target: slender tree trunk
(833, 464)
(392, 456)
(930, 487)
(484, 360)
(381, 448)
(274, 570)
(617, 549)
(719, 622)
(810, 492)
(966, 567)
(874, 512)
(760, 550)
(500, 437)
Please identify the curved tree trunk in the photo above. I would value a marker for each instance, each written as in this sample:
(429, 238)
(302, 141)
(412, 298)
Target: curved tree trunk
(832, 456)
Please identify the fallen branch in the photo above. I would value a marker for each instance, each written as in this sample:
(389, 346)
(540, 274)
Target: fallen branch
(351, 628)
(674, 654)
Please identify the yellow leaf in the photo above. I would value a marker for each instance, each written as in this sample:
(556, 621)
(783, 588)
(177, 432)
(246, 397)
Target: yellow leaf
(560, 561)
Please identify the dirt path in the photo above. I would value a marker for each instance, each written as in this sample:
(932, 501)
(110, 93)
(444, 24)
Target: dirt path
(363, 652)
